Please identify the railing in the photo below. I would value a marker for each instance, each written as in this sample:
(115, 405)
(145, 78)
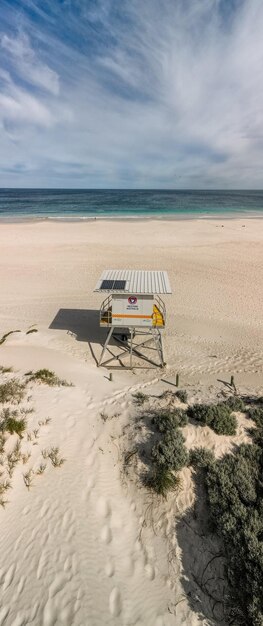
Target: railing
(161, 306)
(106, 311)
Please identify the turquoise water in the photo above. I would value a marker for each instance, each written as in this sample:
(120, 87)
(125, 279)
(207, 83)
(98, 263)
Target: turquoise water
(17, 204)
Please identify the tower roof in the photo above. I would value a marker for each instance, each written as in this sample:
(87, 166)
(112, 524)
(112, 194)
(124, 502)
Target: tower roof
(146, 282)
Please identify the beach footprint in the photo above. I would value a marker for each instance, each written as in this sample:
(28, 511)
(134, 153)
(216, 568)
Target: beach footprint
(115, 602)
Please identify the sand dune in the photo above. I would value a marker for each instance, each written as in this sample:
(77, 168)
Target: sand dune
(71, 543)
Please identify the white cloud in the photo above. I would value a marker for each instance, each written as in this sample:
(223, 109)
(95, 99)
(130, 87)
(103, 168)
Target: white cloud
(18, 106)
(165, 94)
(28, 65)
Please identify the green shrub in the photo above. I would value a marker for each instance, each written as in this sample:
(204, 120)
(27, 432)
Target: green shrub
(202, 413)
(162, 481)
(234, 488)
(169, 419)
(48, 378)
(139, 398)
(170, 453)
(201, 457)
(224, 424)
(12, 391)
(257, 435)
(256, 414)
(235, 403)
(181, 394)
(217, 416)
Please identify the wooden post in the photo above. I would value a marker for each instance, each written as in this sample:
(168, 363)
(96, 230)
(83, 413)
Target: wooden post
(110, 377)
(177, 380)
(232, 381)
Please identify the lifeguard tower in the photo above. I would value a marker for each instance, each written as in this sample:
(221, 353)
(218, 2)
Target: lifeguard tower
(133, 310)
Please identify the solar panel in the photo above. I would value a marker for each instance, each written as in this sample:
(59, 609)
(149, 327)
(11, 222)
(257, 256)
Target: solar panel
(107, 284)
(113, 284)
(119, 284)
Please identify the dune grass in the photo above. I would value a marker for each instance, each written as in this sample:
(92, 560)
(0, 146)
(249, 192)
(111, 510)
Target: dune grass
(28, 478)
(12, 391)
(54, 456)
(47, 377)
(13, 422)
(163, 480)
(17, 426)
(139, 398)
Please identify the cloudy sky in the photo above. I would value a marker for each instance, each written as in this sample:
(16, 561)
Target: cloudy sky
(131, 93)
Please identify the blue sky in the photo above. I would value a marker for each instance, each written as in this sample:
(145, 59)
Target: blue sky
(131, 93)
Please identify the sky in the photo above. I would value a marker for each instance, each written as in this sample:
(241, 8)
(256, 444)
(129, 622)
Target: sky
(149, 94)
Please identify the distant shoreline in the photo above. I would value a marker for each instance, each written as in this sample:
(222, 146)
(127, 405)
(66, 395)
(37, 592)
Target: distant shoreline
(143, 218)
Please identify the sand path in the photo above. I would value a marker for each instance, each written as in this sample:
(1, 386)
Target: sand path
(71, 546)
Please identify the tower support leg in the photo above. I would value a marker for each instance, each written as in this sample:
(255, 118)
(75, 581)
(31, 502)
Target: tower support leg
(161, 348)
(131, 347)
(105, 345)
(132, 333)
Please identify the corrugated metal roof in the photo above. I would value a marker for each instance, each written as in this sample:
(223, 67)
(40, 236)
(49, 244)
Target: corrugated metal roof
(137, 281)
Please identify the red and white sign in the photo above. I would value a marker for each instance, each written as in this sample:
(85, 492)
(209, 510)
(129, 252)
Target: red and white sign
(132, 310)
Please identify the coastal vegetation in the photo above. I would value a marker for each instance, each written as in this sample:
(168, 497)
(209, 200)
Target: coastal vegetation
(232, 484)
(16, 441)
(11, 423)
(165, 453)
(54, 456)
(218, 416)
(139, 398)
(235, 499)
(181, 394)
(12, 391)
(47, 377)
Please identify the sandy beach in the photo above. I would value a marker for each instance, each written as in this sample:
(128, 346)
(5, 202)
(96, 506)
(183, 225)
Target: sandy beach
(78, 548)
(48, 272)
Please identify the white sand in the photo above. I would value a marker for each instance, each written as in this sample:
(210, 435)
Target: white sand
(78, 548)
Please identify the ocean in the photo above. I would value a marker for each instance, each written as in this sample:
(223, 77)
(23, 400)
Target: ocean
(69, 204)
